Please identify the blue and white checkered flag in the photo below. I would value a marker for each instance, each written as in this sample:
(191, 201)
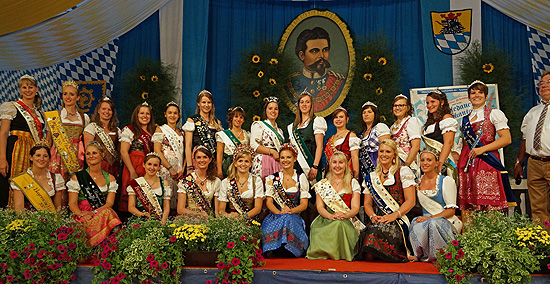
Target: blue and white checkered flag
(539, 43)
(47, 80)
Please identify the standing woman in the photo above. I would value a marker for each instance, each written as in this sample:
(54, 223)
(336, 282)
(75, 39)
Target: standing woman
(344, 140)
(389, 196)
(242, 191)
(135, 143)
(406, 132)
(334, 231)
(21, 128)
(201, 128)
(91, 196)
(227, 140)
(440, 129)
(373, 132)
(483, 180)
(266, 139)
(168, 144)
(73, 123)
(287, 195)
(197, 189)
(307, 133)
(47, 182)
(152, 192)
(104, 129)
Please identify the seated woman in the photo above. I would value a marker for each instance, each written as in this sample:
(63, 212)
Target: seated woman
(196, 190)
(92, 194)
(391, 188)
(333, 232)
(153, 192)
(243, 191)
(438, 225)
(287, 196)
(48, 183)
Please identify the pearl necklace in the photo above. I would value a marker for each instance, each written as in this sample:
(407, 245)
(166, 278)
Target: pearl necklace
(201, 179)
(237, 135)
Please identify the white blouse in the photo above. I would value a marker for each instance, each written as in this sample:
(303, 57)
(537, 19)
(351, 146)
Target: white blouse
(190, 126)
(446, 125)
(64, 118)
(354, 143)
(228, 149)
(256, 133)
(413, 127)
(449, 191)
(59, 182)
(254, 185)
(319, 125)
(9, 111)
(157, 191)
(303, 183)
(90, 128)
(497, 118)
(126, 135)
(74, 186)
(407, 179)
(212, 187)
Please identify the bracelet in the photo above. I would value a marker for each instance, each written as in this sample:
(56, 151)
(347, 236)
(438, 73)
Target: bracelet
(315, 167)
(170, 168)
(370, 217)
(190, 167)
(246, 214)
(399, 212)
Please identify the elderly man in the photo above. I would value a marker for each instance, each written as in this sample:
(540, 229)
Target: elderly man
(536, 144)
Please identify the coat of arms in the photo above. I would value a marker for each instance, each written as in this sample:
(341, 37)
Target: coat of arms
(452, 30)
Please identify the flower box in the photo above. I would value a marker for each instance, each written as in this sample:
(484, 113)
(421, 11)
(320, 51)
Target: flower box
(201, 258)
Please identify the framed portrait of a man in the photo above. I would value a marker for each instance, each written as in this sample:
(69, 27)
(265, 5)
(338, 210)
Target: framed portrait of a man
(324, 60)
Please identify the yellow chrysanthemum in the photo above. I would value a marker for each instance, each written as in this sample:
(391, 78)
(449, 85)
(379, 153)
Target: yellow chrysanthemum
(379, 91)
(256, 93)
(273, 61)
(260, 74)
(367, 77)
(255, 59)
(382, 61)
(488, 68)
(272, 81)
(256, 118)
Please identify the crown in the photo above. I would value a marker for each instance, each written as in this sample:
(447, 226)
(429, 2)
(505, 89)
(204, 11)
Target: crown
(105, 98)
(235, 108)
(243, 148)
(369, 103)
(291, 147)
(172, 103)
(431, 151)
(42, 143)
(401, 96)
(154, 154)
(450, 16)
(96, 144)
(271, 100)
(204, 92)
(476, 82)
(438, 91)
(145, 104)
(340, 108)
(200, 147)
(70, 83)
(28, 77)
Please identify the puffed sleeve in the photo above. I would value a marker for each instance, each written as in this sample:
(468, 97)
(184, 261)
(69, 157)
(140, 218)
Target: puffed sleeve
(382, 129)
(158, 137)
(73, 186)
(269, 186)
(127, 135)
(222, 196)
(255, 135)
(8, 111)
(304, 187)
(355, 186)
(130, 190)
(113, 186)
(448, 124)
(498, 119)
(188, 126)
(86, 120)
(449, 192)
(258, 188)
(219, 137)
(14, 186)
(167, 190)
(407, 177)
(354, 143)
(90, 128)
(216, 185)
(414, 128)
(181, 187)
(319, 125)
(59, 183)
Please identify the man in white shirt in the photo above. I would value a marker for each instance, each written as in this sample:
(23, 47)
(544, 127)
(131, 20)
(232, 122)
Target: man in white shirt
(536, 144)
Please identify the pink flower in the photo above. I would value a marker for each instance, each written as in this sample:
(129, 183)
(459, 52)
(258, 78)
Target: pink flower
(235, 261)
(63, 282)
(154, 264)
(13, 254)
(115, 280)
(69, 230)
(174, 272)
(548, 265)
(451, 270)
(137, 226)
(173, 239)
(97, 262)
(150, 258)
(259, 251)
(458, 277)
(51, 243)
(114, 248)
(260, 258)
(107, 265)
(62, 236)
(61, 248)
(104, 254)
(9, 278)
(73, 277)
(77, 236)
(455, 243)
(31, 246)
(236, 272)
(221, 265)
(164, 265)
(546, 223)
(449, 255)
(208, 281)
(243, 238)
(230, 245)
(459, 253)
(225, 281)
(27, 274)
(72, 246)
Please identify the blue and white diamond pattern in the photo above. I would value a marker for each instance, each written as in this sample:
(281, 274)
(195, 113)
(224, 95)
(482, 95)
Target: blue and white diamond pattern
(452, 43)
(539, 44)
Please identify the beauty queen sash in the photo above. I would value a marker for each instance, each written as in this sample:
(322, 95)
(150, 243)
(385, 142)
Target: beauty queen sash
(280, 195)
(194, 190)
(35, 126)
(90, 189)
(62, 142)
(278, 139)
(433, 207)
(305, 158)
(147, 197)
(175, 141)
(229, 139)
(37, 196)
(333, 200)
(107, 141)
(205, 134)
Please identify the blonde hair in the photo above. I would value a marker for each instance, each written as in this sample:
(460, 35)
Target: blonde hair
(212, 120)
(346, 182)
(396, 162)
(299, 119)
(31, 81)
(232, 171)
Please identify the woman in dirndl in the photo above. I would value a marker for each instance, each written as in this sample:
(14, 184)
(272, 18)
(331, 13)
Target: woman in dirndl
(373, 132)
(345, 141)
(227, 140)
(406, 132)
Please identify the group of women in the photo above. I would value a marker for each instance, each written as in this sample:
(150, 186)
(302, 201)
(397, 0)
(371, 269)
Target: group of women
(305, 208)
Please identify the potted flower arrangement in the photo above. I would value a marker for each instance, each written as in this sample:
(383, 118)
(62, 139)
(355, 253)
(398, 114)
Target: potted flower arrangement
(502, 249)
(40, 247)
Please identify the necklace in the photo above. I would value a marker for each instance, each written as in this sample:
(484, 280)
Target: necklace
(201, 179)
(151, 183)
(337, 183)
(241, 184)
(237, 135)
(385, 174)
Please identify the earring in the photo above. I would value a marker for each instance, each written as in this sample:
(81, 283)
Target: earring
(393, 161)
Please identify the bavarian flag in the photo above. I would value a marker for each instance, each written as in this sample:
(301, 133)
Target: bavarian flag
(452, 30)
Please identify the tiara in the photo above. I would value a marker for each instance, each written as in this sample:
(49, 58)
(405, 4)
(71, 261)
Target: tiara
(204, 91)
(145, 104)
(401, 96)
(243, 148)
(271, 100)
(476, 82)
(235, 108)
(431, 151)
(340, 108)
(369, 103)
(289, 146)
(28, 77)
(438, 91)
(153, 154)
(172, 103)
(305, 93)
(70, 83)
(95, 143)
(200, 147)
(42, 143)
(105, 98)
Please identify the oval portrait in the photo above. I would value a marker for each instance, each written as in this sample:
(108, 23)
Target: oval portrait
(324, 60)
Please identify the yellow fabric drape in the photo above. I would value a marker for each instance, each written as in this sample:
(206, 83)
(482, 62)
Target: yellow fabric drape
(534, 13)
(18, 15)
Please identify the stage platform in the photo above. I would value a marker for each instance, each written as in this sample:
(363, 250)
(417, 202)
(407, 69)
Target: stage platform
(301, 270)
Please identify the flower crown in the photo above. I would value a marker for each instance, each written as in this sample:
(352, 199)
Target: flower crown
(476, 82)
(369, 103)
(290, 147)
(154, 154)
(70, 83)
(243, 148)
(271, 100)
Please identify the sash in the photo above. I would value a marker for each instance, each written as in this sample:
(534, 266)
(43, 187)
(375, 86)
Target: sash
(107, 141)
(62, 142)
(489, 158)
(147, 197)
(388, 205)
(280, 195)
(35, 126)
(280, 138)
(229, 139)
(333, 200)
(450, 163)
(305, 158)
(173, 137)
(364, 158)
(90, 189)
(433, 207)
(194, 190)
(205, 134)
(38, 197)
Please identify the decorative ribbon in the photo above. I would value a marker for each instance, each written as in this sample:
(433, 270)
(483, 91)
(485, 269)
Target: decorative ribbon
(147, 197)
(38, 197)
(62, 142)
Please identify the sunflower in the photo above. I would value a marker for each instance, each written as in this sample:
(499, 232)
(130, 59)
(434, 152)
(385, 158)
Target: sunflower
(256, 118)
(144, 95)
(154, 79)
(255, 59)
(488, 68)
(367, 58)
(382, 61)
(256, 93)
(273, 61)
(379, 91)
(142, 78)
(260, 74)
(272, 81)
(382, 118)
(367, 77)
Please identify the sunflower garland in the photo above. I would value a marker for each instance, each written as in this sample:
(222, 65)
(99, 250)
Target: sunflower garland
(256, 118)
(367, 58)
(144, 95)
(382, 61)
(256, 93)
(273, 61)
(260, 74)
(155, 79)
(379, 91)
(488, 68)
(272, 81)
(255, 59)
(367, 77)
